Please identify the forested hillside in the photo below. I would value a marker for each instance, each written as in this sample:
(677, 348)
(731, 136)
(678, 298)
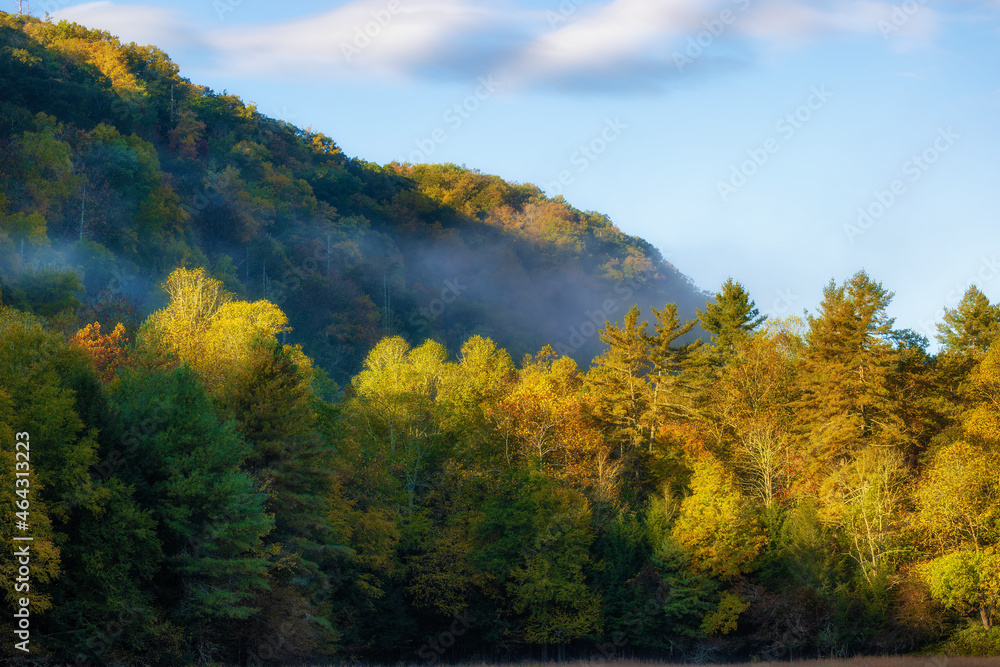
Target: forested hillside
(116, 167)
(178, 271)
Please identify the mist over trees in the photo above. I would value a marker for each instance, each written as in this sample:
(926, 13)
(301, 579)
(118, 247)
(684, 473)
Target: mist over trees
(289, 406)
(118, 169)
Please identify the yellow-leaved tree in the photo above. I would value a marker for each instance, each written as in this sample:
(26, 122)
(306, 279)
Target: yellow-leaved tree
(206, 328)
(958, 505)
(545, 415)
(982, 421)
(864, 500)
(716, 523)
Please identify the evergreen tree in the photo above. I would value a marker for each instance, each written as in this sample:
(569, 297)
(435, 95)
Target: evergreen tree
(730, 318)
(966, 332)
(105, 605)
(536, 543)
(270, 401)
(971, 326)
(185, 464)
(45, 477)
(620, 394)
(673, 383)
(845, 375)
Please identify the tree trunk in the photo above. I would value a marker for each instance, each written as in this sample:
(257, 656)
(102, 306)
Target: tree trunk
(986, 614)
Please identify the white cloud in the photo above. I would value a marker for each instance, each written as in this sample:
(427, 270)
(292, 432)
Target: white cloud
(631, 29)
(131, 23)
(791, 23)
(789, 20)
(366, 36)
(617, 30)
(618, 41)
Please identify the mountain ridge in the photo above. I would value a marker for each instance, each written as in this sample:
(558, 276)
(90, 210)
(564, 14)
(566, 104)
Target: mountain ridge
(146, 171)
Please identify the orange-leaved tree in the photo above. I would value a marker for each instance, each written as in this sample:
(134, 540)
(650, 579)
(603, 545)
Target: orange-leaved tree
(107, 350)
(547, 417)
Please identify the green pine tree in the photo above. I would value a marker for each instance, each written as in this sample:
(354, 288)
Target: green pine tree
(185, 464)
(730, 318)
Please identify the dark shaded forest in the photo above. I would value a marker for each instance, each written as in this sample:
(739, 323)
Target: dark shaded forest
(284, 406)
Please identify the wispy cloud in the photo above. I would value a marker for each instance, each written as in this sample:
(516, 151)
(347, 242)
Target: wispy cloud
(781, 20)
(132, 23)
(620, 44)
(367, 37)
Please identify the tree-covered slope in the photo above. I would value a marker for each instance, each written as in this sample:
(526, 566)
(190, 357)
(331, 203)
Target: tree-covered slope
(196, 492)
(116, 167)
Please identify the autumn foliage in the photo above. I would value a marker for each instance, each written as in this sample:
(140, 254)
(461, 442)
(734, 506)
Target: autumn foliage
(693, 482)
(108, 351)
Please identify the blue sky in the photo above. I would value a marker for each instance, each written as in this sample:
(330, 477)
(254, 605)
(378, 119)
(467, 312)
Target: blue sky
(780, 142)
